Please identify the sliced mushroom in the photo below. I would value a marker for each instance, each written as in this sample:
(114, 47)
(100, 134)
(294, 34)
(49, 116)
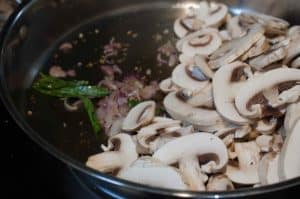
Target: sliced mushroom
(186, 150)
(246, 102)
(189, 77)
(260, 47)
(226, 84)
(202, 98)
(289, 159)
(225, 35)
(140, 115)
(203, 42)
(272, 56)
(193, 21)
(268, 169)
(273, 25)
(217, 14)
(219, 183)
(150, 133)
(248, 158)
(201, 62)
(264, 142)
(149, 171)
(266, 126)
(233, 49)
(200, 118)
(288, 96)
(292, 116)
(167, 86)
(123, 154)
(194, 145)
(294, 32)
(235, 29)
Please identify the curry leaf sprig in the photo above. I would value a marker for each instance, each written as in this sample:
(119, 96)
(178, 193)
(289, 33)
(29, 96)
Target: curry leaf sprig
(72, 89)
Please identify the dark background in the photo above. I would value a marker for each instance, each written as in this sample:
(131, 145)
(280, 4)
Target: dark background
(30, 172)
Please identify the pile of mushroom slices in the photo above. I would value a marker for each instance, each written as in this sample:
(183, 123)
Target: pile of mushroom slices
(233, 108)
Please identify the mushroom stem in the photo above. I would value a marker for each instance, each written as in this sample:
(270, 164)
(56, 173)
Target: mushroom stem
(190, 169)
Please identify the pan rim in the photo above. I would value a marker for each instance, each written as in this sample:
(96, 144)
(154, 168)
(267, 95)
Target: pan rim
(9, 105)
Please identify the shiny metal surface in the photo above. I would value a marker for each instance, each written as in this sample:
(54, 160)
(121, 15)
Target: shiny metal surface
(37, 26)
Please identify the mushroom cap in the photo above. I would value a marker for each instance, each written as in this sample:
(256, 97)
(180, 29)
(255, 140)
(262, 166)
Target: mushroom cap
(289, 159)
(233, 49)
(124, 154)
(248, 158)
(225, 89)
(219, 183)
(189, 77)
(256, 85)
(200, 118)
(204, 42)
(140, 115)
(193, 145)
(149, 171)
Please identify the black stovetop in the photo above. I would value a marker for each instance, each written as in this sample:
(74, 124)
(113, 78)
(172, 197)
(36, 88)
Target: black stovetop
(32, 172)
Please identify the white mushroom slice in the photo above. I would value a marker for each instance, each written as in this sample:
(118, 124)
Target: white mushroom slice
(266, 126)
(271, 94)
(205, 42)
(242, 132)
(140, 115)
(185, 59)
(123, 155)
(234, 28)
(189, 77)
(233, 49)
(295, 63)
(193, 21)
(293, 52)
(225, 35)
(294, 32)
(268, 169)
(167, 137)
(226, 84)
(264, 142)
(200, 118)
(151, 172)
(217, 14)
(201, 62)
(192, 173)
(277, 142)
(260, 62)
(260, 47)
(245, 99)
(292, 116)
(200, 99)
(183, 26)
(139, 148)
(167, 86)
(248, 158)
(219, 183)
(273, 25)
(194, 145)
(289, 159)
(151, 131)
(288, 96)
